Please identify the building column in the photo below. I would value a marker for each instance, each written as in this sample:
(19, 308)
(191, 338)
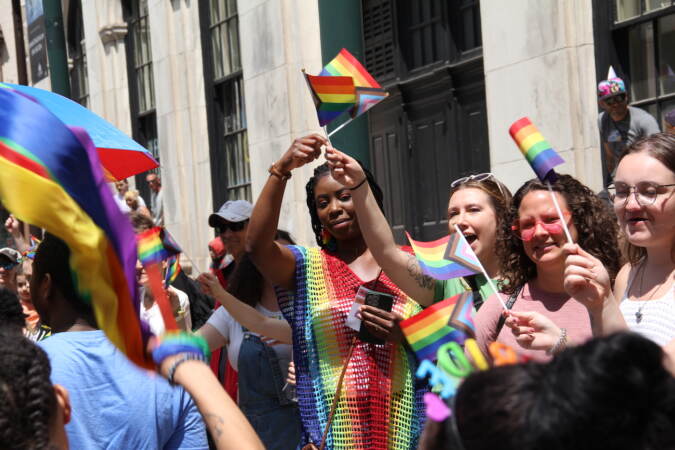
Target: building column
(539, 62)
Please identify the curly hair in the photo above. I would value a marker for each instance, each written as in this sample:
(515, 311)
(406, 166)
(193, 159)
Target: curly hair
(320, 172)
(497, 192)
(571, 402)
(12, 318)
(660, 146)
(27, 399)
(595, 224)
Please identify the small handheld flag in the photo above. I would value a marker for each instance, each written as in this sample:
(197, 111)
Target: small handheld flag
(448, 321)
(172, 270)
(156, 245)
(446, 258)
(332, 95)
(536, 149)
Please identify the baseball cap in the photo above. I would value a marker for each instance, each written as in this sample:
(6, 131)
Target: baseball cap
(231, 211)
(11, 254)
(670, 117)
(611, 87)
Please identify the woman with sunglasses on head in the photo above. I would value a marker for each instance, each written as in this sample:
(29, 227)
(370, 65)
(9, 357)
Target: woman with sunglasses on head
(378, 402)
(538, 274)
(477, 205)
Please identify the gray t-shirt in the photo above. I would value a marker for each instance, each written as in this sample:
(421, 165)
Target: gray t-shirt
(615, 137)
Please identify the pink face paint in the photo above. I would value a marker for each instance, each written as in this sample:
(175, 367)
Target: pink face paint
(437, 410)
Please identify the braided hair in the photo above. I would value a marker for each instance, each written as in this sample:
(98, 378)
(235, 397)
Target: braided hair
(27, 399)
(12, 318)
(320, 172)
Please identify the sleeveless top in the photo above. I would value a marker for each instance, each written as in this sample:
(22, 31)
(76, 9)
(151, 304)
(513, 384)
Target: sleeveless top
(381, 403)
(657, 315)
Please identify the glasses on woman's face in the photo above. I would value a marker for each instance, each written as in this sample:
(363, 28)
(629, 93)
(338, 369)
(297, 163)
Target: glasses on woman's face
(526, 228)
(616, 99)
(8, 265)
(645, 192)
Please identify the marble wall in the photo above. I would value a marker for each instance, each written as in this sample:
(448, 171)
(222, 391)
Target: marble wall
(539, 62)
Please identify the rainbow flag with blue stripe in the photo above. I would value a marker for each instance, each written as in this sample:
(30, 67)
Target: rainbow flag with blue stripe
(446, 321)
(51, 177)
(536, 149)
(446, 258)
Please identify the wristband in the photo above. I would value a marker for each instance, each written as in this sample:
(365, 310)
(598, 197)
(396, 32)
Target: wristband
(181, 360)
(560, 345)
(273, 170)
(358, 185)
(173, 343)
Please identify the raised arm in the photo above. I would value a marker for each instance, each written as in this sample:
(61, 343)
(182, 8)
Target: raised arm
(275, 261)
(246, 315)
(401, 267)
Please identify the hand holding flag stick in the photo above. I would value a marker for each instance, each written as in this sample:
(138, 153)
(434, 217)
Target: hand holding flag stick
(541, 157)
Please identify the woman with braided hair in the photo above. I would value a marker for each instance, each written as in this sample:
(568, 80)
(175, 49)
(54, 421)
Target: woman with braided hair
(33, 412)
(378, 402)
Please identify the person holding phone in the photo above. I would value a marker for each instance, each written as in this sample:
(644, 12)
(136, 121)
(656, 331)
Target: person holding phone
(379, 401)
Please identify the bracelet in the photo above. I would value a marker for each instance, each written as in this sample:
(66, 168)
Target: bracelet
(181, 360)
(180, 313)
(560, 345)
(273, 170)
(358, 185)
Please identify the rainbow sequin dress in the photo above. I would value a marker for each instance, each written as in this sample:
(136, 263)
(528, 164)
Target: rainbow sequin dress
(381, 403)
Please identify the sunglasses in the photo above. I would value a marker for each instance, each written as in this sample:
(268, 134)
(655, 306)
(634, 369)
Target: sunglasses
(616, 99)
(9, 265)
(525, 229)
(232, 226)
(478, 178)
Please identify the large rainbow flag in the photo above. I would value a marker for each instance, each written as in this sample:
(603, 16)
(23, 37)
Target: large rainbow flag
(368, 91)
(446, 321)
(51, 177)
(447, 257)
(535, 148)
(332, 96)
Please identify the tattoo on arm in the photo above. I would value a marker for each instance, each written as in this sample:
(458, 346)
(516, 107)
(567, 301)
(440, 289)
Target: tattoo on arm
(415, 271)
(216, 422)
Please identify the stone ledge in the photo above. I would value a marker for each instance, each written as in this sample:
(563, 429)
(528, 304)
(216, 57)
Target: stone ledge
(111, 33)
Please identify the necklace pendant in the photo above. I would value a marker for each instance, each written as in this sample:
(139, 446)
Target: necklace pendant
(638, 316)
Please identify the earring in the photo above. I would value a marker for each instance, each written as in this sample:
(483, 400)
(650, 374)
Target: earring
(328, 241)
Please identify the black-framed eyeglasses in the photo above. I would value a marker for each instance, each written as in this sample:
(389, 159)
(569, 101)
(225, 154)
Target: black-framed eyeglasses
(645, 192)
(233, 226)
(616, 99)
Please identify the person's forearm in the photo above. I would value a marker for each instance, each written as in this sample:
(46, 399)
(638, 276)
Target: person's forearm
(253, 319)
(226, 423)
(399, 266)
(264, 220)
(607, 319)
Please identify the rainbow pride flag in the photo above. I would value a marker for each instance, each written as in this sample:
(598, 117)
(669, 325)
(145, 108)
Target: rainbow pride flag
(535, 148)
(51, 177)
(156, 245)
(446, 258)
(332, 96)
(368, 91)
(172, 270)
(446, 321)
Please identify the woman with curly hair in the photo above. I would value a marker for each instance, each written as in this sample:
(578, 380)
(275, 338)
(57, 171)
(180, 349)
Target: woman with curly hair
(533, 262)
(478, 205)
(378, 402)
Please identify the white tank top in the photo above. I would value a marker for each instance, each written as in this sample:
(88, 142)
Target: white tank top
(657, 316)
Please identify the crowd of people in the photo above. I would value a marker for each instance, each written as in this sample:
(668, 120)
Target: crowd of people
(592, 316)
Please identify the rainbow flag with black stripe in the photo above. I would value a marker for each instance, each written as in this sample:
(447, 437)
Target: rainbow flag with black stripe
(156, 245)
(446, 321)
(51, 177)
(368, 91)
(172, 270)
(332, 96)
(445, 258)
(536, 149)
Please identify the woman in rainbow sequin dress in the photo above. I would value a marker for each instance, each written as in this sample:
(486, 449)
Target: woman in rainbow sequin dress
(380, 402)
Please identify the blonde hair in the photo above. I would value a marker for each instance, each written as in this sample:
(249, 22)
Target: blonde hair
(133, 196)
